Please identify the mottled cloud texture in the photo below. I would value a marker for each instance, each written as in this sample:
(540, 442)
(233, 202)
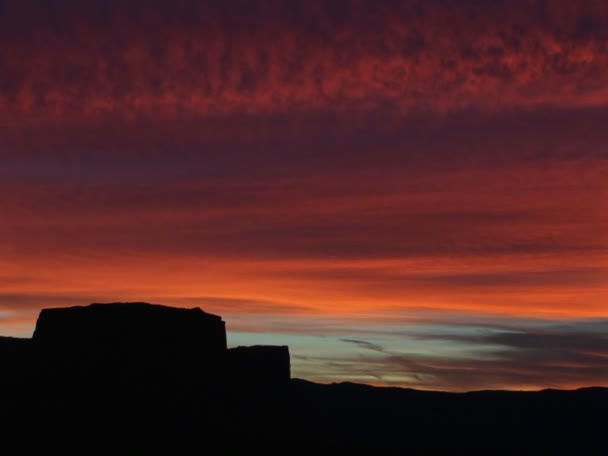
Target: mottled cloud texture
(310, 169)
(72, 59)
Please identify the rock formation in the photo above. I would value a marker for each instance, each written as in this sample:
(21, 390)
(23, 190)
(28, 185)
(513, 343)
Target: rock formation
(135, 379)
(261, 364)
(124, 343)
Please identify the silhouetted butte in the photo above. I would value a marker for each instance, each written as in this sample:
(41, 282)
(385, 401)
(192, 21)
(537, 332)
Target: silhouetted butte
(136, 378)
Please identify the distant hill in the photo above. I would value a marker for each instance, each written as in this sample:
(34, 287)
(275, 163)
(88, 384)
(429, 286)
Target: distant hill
(135, 378)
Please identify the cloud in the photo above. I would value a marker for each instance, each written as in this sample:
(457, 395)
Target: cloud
(532, 354)
(365, 344)
(33, 302)
(222, 304)
(343, 214)
(229, 305)
(312, 163)
(357, 152)
(77, 61)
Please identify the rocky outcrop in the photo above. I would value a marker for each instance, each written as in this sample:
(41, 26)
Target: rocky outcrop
(15, 356)
(260, 364)
(103, 387)
(108, 366)
(124, 343)
(13, 347)
(128, 343)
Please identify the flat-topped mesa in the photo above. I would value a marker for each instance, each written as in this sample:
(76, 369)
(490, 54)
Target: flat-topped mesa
(131, 324)
(123, 343)
(131, 344)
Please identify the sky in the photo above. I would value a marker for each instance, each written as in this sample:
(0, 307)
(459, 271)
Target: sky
(407, 193)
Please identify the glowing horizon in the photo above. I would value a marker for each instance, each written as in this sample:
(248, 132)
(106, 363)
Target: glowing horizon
(406, 193)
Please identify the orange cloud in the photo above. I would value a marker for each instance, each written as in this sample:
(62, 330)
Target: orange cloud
(311, 169)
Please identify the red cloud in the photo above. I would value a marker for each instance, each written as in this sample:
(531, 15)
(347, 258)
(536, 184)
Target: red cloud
(207, 59)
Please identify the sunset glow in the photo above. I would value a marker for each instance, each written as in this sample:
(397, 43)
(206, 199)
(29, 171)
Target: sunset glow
(405, 193)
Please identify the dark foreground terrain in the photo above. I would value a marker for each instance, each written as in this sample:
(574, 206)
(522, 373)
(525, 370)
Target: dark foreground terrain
(141, 379)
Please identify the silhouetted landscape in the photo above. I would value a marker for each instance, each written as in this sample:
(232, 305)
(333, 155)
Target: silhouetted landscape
(379, 226)
(137, 378)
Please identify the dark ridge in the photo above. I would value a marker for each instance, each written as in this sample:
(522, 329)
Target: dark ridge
(137, 378)
(13, 341)
(267, 365)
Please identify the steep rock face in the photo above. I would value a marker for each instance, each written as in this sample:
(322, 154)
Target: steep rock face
(108, 366)
(128, 343)
(143, 346)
